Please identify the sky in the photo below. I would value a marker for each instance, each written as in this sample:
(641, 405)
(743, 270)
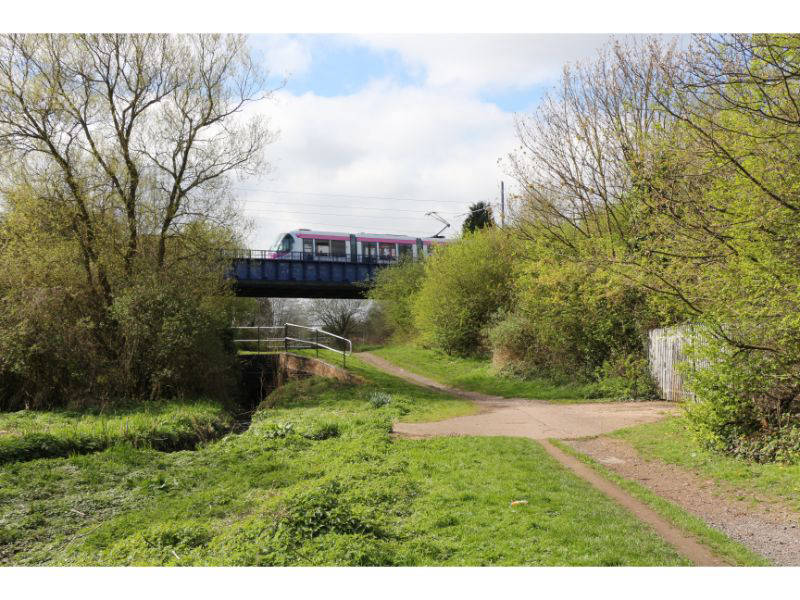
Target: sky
(375, 131)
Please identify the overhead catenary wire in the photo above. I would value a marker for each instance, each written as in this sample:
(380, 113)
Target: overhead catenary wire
(258, 201)
(356, 196)
(354, 228)
(277, 203)
(341, 215)
(279, 206)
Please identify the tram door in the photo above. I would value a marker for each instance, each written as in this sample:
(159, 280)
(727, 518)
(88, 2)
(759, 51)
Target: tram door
(308, 249)
(370, 250)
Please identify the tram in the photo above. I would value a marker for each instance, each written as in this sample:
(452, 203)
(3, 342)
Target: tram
(308, 244)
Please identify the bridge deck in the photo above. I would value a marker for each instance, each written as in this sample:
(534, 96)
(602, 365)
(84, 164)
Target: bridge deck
(298, 278)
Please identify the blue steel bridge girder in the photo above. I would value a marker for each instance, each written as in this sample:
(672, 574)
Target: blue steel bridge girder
(304, 276)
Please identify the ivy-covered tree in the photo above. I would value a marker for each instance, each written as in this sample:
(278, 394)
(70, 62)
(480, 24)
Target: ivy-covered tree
(480, 216)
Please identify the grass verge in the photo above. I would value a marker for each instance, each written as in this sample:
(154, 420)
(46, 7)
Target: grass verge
(318, 480)
(671, 441)
(168, 425)
(729, 550)
(476, 375)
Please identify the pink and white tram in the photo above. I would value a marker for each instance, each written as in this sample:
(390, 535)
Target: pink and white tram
(308, 244)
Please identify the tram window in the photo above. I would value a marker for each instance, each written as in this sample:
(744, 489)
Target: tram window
(308, 246)
(370, 249)
(405, 250)
(338, 248)
(283, 243)
(387, 250)
(323, 247)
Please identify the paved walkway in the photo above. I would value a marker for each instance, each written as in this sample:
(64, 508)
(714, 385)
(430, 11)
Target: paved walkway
(520, 417)
(541, 420)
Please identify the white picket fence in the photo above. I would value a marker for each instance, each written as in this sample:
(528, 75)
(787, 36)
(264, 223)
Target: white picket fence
(666, 352)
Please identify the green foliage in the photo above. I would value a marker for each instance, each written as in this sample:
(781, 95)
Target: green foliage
(478, 375)
(379, 399)
(323, 431)
(162, 333)
(395, 288)
(480, 216)
(28, 435)
(278, 430)
(572, 318)
(465, 283)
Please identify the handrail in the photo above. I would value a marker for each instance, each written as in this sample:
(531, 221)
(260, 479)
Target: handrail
(317, 329)
(287, 338)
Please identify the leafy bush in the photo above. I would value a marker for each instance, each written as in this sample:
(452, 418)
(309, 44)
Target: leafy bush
(781, 445)
(575, 321)
(395, 288)
(161, 331)
(465, 283)
(745, 401)
(626, 377)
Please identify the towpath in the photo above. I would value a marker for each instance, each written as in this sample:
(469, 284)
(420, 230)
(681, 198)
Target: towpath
(540, 420)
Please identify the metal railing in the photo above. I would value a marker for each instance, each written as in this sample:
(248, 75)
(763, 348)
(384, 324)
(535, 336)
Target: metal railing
(367, 259)
(272, 343)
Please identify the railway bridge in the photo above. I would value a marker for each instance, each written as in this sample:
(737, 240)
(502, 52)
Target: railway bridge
(266, 273)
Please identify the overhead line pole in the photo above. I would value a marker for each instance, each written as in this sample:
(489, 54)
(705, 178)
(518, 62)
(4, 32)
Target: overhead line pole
(502, 204)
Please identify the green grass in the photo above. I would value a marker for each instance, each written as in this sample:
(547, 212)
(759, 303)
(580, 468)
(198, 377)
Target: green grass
(319, 480)
(670, 441)
(173, 425)
(477, 375)
(729, 550)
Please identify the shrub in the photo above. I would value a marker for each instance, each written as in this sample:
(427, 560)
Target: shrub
(395, 288)
(465, 283)
(745, 400)
(572, 319)
(160, 331)
(626, 377)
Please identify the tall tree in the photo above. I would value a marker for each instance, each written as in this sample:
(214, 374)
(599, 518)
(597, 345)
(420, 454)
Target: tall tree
(338, 316)
(480, 216)
(143, 129)
(117, 159)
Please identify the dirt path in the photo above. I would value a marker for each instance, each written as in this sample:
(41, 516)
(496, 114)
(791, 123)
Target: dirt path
(766, 527)
(541, 420)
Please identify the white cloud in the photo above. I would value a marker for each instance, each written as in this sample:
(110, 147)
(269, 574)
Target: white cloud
(437, 143)
(284, 55)
(473, 61)
(405, 143)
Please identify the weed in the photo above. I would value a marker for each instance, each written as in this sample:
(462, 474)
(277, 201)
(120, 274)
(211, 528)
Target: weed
(274, 431)
(379, 399)
(322, 431)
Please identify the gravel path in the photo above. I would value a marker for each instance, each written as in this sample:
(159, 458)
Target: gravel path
(767, 528)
